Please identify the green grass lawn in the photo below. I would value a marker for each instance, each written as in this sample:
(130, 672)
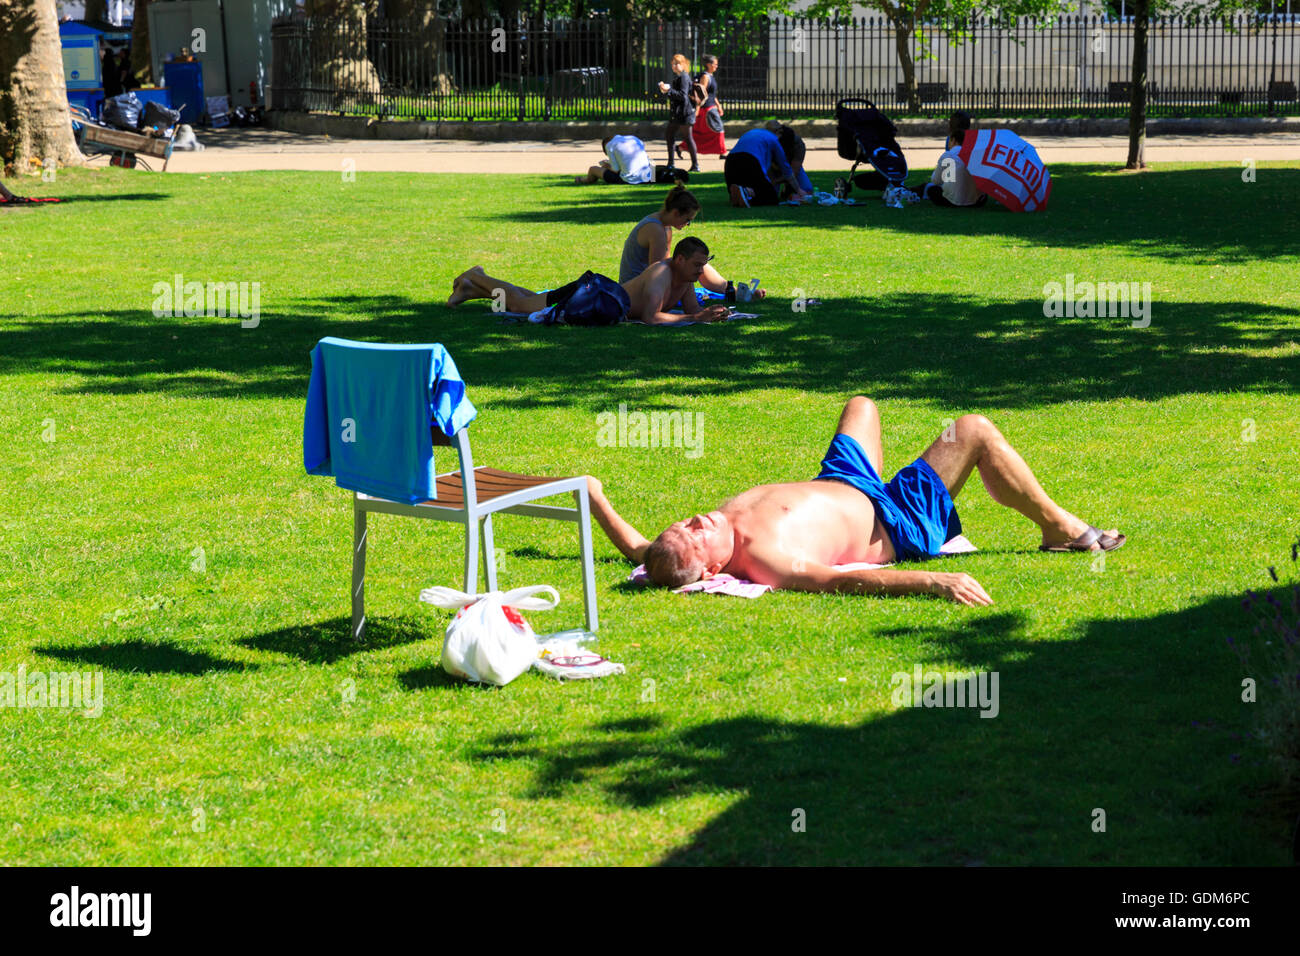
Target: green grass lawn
(242, 726)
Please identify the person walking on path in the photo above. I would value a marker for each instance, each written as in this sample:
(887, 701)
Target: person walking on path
(708, 131)
(682, 101)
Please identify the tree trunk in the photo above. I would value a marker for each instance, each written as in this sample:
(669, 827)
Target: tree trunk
(1137, 113)
(419, 72)
(902, 43)
(34, 119)
(96, 10)
(340, 51)
(141, 56)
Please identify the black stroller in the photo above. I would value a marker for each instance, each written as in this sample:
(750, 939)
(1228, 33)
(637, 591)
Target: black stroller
(867, 136)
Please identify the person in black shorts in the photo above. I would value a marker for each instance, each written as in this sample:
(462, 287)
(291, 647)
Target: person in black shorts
(665, 285)
(756, 166)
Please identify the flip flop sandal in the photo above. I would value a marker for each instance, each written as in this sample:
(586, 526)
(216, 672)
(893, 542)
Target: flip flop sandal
(1086, 541)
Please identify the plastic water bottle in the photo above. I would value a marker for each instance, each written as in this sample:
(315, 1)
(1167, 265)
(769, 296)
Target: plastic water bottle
(581, 635)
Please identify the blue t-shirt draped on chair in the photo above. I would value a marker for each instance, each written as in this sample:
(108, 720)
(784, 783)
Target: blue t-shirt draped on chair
(369, 410)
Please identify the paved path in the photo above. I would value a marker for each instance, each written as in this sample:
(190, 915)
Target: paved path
(237, 150)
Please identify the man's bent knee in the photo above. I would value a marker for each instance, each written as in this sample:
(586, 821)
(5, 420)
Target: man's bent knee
(861, 405)
(976, 428)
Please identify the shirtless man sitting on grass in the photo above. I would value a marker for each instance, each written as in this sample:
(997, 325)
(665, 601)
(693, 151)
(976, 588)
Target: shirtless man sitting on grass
(662, 286)
(790, 535)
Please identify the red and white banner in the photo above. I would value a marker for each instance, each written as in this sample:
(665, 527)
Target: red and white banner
(1007, 168)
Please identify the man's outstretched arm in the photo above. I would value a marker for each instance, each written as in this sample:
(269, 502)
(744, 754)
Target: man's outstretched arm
(799, 575)
(625, 537)
(961, 588)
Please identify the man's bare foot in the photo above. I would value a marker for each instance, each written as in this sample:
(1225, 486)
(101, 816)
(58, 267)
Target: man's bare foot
(465, 290)
(455, 283)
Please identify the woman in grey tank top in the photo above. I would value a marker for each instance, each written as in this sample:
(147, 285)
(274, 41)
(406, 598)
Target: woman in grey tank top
(651, 240)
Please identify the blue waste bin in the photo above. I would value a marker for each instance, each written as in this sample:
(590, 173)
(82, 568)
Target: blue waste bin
(185, 81)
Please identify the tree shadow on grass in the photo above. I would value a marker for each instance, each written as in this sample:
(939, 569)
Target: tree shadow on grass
(1198, 215)
(144, 657)
(325, 642)
(1109, 721)
(954, 349)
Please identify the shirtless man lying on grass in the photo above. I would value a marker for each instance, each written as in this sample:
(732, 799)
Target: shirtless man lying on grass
(663, 286)
(790, 535)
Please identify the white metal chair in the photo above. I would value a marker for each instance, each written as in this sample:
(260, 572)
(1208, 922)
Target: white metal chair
(471, 496)
(360, 392)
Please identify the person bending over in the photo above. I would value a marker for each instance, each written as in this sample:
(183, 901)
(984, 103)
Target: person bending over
(651, 238)
(656, 290)
(791, 535)
(626, 161)
(756, 167)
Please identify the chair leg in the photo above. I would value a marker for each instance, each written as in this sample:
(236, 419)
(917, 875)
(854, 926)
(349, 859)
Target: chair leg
(588, 565)
(358, 573)
(489, 554)
(471, 557)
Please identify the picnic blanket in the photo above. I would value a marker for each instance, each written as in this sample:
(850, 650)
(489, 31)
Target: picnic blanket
(822, 199)
(540, 316)
(705, 297)
(738, 587)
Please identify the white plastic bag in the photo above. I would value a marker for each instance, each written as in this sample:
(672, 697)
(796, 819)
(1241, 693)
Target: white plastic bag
(487, 641)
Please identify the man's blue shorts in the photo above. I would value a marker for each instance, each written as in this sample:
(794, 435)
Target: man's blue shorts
(914, 508)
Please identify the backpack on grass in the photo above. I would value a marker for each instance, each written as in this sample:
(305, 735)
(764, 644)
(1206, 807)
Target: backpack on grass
(595, 300)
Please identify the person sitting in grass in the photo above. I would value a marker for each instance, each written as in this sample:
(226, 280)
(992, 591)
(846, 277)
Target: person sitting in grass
(651, 238)
(791, 535)
(796, 151)
(952, 184)
(628, 162)
(656, 290)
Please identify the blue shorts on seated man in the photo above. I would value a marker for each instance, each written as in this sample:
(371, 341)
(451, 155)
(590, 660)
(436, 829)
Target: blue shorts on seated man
(914, 508)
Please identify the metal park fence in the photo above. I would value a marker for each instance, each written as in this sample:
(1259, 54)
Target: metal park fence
(608, 69)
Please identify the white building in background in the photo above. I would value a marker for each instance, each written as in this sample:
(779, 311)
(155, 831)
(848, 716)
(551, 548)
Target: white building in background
(1088, 49)
(119, 11)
